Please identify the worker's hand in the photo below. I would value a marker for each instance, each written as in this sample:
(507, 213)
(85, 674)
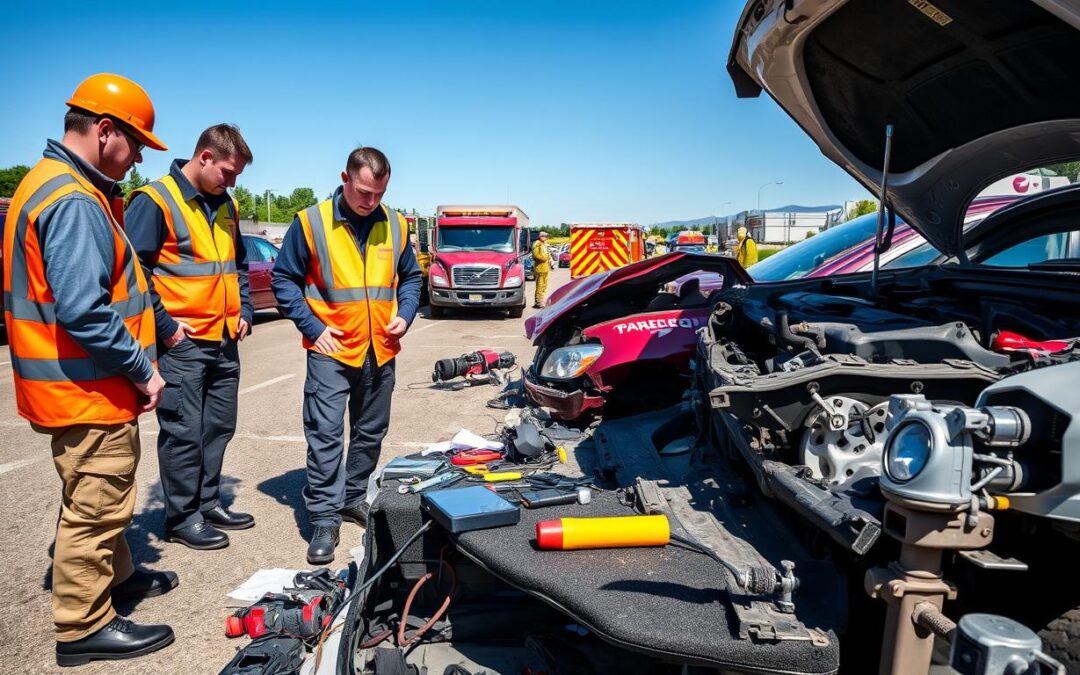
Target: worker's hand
(242, 329)
(327, 342)
(151, 389)
(397, 327)
(182, 331)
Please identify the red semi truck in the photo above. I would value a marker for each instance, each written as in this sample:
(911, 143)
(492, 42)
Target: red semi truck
(477, 254)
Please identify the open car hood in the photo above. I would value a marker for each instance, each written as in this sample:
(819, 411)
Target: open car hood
(975, 91)
(641, 277)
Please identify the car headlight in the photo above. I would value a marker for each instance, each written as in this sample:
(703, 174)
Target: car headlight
(907, 451)
(513, 281)
(567, 363)
(438, 280)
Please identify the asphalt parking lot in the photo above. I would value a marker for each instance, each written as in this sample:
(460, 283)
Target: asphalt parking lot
(263, 475)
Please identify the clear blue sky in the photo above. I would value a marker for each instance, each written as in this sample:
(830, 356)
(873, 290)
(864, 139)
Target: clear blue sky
(581, 111)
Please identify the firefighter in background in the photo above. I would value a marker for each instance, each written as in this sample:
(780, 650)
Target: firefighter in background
(747, 251)
(541, 266)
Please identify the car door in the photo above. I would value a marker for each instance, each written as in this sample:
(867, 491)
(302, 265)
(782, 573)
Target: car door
(259, 266)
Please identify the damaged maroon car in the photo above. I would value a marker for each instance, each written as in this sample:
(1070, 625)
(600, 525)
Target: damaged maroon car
(606, 339)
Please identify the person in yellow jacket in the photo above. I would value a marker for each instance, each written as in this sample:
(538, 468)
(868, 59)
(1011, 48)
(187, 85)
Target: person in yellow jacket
(81, 334)
(746, 253)
(541, 266)
(186, 231)
(349, 280)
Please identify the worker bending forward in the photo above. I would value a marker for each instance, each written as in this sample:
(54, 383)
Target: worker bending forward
(349, 280)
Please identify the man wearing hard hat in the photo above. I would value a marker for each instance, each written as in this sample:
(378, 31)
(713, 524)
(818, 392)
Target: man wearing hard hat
(82, 341)
(746, 254)
(541, 266)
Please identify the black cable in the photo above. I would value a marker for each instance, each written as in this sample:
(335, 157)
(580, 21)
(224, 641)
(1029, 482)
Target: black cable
(742, 578)
(378, 573)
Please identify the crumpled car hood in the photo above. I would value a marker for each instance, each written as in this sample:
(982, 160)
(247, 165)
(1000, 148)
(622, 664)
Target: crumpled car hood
(975, 91)
(645, 276)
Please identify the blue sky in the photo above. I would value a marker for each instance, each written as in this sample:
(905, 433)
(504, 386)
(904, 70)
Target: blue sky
(579, 111)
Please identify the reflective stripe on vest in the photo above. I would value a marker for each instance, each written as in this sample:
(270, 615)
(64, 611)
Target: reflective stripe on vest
(196, 274)
(56, 382)
(350, 289)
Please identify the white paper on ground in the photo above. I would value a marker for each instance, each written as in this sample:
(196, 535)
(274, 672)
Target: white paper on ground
(263, 582)
(467, 440)
(438, 448)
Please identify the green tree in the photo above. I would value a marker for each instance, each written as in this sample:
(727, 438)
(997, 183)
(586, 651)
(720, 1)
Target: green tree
(1069, 169)
(245, 201)
(135, 181)
(10, 177)
(301, 198)
(862, 207)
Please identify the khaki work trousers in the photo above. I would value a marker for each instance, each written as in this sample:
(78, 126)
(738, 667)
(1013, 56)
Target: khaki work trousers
(96, 464)
(541, 285)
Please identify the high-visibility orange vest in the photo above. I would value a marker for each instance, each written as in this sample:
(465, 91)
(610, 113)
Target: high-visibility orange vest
(195, 274)
(56, 382)
(351, 290)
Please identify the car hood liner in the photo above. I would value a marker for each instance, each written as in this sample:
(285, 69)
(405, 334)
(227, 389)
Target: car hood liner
(667, 602)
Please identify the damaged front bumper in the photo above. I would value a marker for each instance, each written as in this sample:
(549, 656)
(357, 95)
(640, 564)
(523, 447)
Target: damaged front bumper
(564, 405)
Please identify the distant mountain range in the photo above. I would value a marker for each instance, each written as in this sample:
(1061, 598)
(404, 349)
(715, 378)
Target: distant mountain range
(709, 220)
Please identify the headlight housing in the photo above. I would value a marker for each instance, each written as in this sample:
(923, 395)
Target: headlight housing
(513, 280)
(908, 450)
(566, 363)
(438, 276)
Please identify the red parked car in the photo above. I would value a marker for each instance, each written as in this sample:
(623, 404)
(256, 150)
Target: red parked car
(261, 255)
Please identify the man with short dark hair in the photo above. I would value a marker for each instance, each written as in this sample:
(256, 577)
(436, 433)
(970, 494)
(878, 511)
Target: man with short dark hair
(349, 280)
(186, 230)
(81, 333)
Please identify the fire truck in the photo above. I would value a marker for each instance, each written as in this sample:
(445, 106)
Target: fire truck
(476, 258)
(597, 247)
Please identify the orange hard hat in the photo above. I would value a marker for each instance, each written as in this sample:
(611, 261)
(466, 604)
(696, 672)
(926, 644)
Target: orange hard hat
(119, 97)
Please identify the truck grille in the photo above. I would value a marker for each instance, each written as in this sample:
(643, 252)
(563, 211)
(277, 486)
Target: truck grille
(475, 276)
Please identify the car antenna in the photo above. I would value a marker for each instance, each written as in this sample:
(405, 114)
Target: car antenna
(880, 245)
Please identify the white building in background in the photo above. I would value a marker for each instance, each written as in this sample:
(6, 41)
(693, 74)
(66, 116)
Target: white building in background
(776, 227)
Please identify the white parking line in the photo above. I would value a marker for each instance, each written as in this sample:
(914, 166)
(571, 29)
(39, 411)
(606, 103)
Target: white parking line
(11, 466)
(254, 387)
(414, 331)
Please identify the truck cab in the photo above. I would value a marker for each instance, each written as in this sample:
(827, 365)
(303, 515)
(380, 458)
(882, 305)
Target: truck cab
(477, 258)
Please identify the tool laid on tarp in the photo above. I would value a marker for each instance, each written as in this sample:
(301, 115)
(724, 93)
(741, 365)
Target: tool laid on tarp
(467, 457)
(483, 366)
(470, 508)
(566, 534)
(302, 611)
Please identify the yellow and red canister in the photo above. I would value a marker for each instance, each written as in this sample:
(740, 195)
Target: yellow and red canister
(567, 534)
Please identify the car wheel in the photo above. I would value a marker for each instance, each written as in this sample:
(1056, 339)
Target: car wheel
(517, 312)
(437, 312)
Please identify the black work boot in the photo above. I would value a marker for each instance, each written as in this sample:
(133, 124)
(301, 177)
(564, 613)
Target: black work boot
(119, 639)
(145, 584)
(356, 514)
(201, 536)
(224, 519)
(321, 549)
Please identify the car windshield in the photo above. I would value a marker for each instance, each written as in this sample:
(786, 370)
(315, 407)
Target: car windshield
(802, 258)
(499, 239)
(690, 248)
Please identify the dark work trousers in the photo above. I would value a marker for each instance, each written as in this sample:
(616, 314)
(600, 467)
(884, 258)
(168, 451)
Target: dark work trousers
(332, 386)
(197, 416)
